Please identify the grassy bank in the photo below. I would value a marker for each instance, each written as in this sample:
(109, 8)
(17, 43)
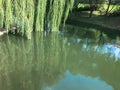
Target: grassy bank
(108, 22)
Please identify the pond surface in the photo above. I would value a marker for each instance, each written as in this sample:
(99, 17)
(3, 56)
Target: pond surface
(75, 59)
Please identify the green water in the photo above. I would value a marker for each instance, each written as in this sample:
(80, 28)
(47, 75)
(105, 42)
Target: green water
(81, 59)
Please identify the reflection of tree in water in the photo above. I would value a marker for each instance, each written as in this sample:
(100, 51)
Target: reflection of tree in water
(101, 38)
(30, 65)
(92, 57)
(95, 64)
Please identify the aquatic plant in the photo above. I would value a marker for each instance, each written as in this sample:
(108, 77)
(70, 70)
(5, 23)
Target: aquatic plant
(33, 15)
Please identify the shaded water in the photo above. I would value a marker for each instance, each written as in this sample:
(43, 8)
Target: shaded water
(81, 59)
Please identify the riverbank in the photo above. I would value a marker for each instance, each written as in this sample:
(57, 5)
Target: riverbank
(108, 22)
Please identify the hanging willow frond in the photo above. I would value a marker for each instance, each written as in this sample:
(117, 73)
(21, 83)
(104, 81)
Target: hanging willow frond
(34, 14)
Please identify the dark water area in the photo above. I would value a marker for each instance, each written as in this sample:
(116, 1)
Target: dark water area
(76, 58)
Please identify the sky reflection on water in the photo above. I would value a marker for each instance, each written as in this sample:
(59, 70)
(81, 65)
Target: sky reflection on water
(107, 48)
(113, 50)
(59, 62)
(79, 82)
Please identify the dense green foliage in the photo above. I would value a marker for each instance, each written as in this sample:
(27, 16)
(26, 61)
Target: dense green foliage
(47, 15)
(34, 14)
(105, 7)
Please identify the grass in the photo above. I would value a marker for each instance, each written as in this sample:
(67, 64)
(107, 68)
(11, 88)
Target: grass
(102, 7)
(108, 22)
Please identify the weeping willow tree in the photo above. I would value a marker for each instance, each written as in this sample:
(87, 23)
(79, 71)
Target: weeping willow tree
(1, 14)
(33, 15)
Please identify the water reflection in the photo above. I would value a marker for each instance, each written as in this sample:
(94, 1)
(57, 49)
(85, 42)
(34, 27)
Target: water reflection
(79, 82)
(102, 42)
(110, 49)
(44, 60)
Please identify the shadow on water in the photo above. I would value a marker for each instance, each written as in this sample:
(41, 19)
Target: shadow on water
(56, 61)
(112, 33)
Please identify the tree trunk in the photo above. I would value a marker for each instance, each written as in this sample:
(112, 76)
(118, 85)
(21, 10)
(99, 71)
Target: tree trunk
(107, 10)
(91, 8)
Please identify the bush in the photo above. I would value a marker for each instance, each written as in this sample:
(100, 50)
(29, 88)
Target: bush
(116, 12)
